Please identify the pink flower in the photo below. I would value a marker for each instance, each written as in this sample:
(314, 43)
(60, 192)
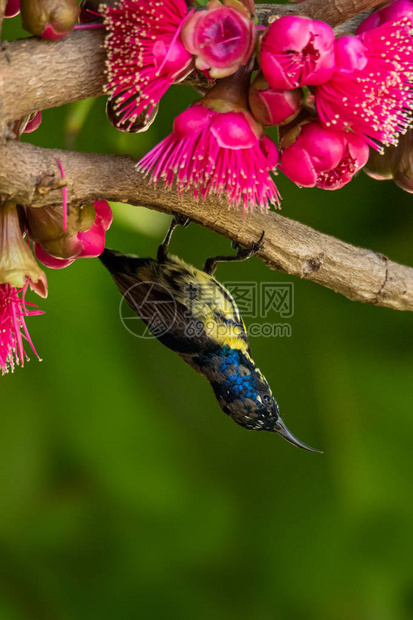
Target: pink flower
(222, 38)
(83, 244)
(323, 158)
(271, 106)
(297, 51)
(51, 19)
(145, 54)
(13, 329)
(391, 13)
(223, 153)
(370, 91)
(18, 270)
(12, 8)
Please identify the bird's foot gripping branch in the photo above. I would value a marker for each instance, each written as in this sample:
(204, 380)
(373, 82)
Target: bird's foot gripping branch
(336, 102)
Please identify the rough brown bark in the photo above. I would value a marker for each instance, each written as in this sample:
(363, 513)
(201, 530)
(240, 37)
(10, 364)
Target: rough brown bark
(31, 175)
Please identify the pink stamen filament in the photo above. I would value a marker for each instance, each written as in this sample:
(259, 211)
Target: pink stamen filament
(88, 26)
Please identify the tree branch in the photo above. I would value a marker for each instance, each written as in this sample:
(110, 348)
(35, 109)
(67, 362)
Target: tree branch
(36, 74)
(31, 176)
(53, 73)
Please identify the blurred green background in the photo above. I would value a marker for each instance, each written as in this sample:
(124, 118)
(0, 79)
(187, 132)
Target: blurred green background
(127, 493)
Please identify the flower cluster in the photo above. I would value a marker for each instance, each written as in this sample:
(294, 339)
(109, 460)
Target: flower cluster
(331, 97)
(55, 236)
(58, 237)
(336, 102)
(56, 246)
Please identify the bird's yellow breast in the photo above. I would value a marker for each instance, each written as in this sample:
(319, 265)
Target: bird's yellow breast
(204, 298)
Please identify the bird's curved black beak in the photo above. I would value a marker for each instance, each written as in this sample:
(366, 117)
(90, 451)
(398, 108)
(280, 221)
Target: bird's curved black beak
(281, 429)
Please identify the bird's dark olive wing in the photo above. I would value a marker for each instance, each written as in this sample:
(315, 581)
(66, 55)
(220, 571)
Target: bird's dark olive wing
(168, 320)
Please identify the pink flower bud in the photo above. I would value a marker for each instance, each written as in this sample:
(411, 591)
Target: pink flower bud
(391, 13)
(323, 158)
(34, 123)
(49, 19)
(297, 51)
(12, 8)
(46, 227)
(271, 106)
(222, 38)
(83, 244)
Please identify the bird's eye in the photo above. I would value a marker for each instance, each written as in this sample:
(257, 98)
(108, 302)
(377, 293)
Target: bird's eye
(266, 398)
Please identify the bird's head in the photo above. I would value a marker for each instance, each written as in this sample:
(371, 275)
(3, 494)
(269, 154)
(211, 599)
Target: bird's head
(244, 394)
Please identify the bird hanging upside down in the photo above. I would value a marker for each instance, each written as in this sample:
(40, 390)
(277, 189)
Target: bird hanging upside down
(190, 312)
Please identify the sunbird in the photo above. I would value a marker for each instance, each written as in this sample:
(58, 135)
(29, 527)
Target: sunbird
(193, 314)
